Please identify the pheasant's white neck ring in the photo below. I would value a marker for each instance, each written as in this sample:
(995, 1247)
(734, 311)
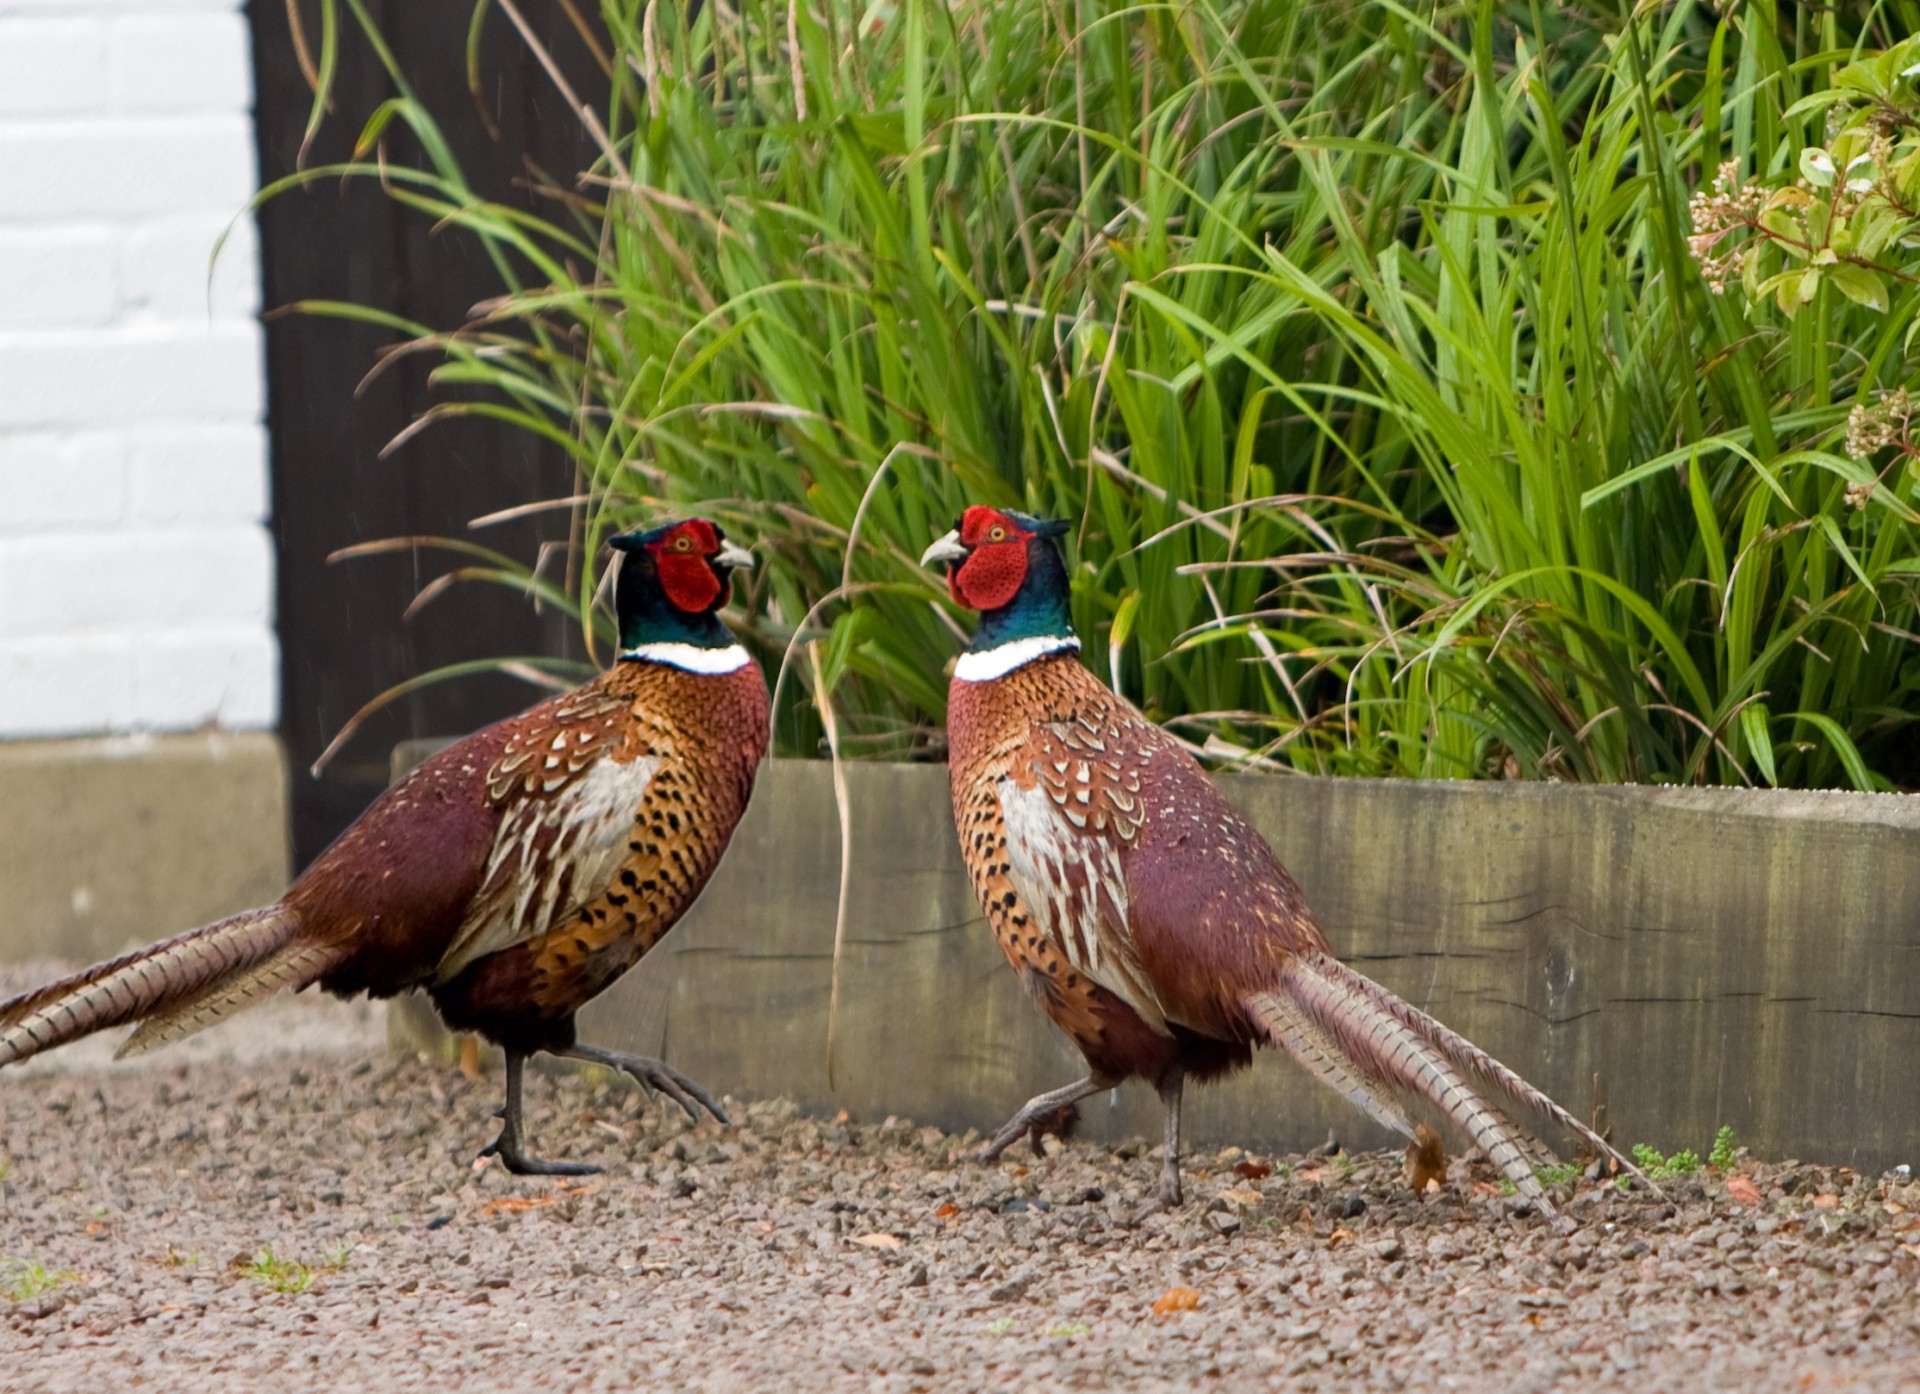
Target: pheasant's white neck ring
(691, 657)
(1002, 659)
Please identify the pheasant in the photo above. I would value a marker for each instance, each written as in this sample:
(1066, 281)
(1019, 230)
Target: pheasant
(1151, 923)
(514, 875)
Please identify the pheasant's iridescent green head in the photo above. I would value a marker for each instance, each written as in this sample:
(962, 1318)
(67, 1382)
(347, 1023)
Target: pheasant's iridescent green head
(1007, 566)
(673, 581)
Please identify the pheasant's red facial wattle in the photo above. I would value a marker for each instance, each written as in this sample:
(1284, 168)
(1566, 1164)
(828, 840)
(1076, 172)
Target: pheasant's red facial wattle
(991, 577)
(996, 563)
(686, 573)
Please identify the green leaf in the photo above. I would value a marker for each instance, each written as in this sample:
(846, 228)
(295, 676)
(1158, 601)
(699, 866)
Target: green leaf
(1123, 620)
(1787, 289)
(1859, 285)
(1843, 748)
(1753, 729)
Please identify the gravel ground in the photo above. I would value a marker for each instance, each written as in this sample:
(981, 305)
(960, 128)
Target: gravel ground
(280, 1203)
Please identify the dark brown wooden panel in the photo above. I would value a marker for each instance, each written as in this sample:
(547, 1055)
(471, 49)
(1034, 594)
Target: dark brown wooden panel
(341, 630)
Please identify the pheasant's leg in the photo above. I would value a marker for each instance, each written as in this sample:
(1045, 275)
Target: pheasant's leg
(1038, 1110)
(510, 1146)
(652, 1074)
(1170, 1086)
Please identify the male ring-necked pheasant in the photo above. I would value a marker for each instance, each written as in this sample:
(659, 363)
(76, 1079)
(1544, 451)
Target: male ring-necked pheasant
(515, 874)
(1155, 927)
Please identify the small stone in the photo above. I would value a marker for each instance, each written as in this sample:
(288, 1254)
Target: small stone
(1009, 1290)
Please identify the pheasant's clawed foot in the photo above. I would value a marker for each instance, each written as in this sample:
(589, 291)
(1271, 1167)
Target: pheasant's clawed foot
(1168, 1194)
(1052, 1112)
(510, 1146)
(507, 1148)
(654, 1074)
(1060, 1123)
(1015, 1129)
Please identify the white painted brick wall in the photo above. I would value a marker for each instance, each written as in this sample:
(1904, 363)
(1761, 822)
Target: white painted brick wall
(136, 573)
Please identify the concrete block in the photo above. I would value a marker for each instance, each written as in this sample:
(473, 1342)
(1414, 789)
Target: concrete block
(109, 844)
(196, 476)
(52, 66)
(125, 168)
(58, 277)
(181, 62)
(119, 377)
(62, 481)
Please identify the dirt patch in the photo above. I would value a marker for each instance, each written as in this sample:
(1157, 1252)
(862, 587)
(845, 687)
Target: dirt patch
(243, 1217)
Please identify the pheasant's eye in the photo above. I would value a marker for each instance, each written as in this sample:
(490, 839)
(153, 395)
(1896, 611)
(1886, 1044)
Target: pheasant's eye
(683, 543)
(996, 533)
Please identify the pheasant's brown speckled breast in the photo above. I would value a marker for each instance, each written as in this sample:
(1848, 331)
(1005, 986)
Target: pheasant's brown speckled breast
(704, 736)
(990, 731)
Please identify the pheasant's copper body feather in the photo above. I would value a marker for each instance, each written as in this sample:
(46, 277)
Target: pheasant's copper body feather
(513, 876)
(1149, 920)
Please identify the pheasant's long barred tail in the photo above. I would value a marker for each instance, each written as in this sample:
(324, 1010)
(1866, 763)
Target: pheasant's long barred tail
(1508, 1090)
(1373, 1047)
(292, 965)
(1291, 1026)
(171, 978)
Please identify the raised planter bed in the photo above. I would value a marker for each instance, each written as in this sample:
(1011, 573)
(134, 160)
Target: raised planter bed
(1668, 960)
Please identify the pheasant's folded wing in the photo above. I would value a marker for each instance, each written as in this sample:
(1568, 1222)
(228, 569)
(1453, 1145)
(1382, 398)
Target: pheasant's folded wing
(1071, 808)
(566, 783)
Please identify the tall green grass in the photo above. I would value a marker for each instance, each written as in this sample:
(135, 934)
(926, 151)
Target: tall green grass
(1363, 343)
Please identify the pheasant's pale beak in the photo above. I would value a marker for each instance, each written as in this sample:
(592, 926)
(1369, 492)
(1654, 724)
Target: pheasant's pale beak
(948, 549)
(732, 556)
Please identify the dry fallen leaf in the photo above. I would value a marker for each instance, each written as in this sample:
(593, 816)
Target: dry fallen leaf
(879, 1241)
(946, 1211)
(1239, 1197)
(512, 1204)
(1743, 1190)
(1426, 1159)
(1826, 1201)
(1176, 1300)
(1341, 1235)
(1250, 1170)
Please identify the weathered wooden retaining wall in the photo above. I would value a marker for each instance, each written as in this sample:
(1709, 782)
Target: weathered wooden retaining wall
(1672, 958)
